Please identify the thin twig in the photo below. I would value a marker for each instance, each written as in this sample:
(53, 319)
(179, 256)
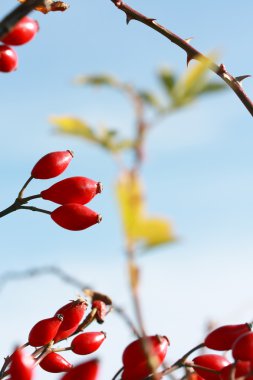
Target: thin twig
(192, 53)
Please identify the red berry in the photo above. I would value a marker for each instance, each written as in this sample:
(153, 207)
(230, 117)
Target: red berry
(238, 369)
(52, 164)
(88, 342)
(101, 310)
(134, 358)
(44, 331)
(211, 361)
(72, 190)
(55, 363)
(84, 371)
(22, 366)
(75, 217)
(22, 32)
(8, 59)
(243, 347)
(64, 334)
(73, 313)
(223, 337)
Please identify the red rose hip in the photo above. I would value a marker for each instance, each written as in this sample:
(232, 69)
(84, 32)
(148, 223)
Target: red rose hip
(73, 313)
(88, 342)
(243, 347)
(52, 164)
(223, 337)
(8, 59)
(84, 371)
(136, 365)
(22, 366)
(55, 363)
(75, 217)
(72, 190)
(44, 331)
(22, 32)
(210, 361)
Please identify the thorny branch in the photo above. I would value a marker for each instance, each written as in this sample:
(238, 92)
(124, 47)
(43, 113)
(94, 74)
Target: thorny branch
(233, 82)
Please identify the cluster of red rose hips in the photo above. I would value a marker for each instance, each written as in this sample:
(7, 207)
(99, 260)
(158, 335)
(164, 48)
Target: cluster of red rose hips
(66, 322)
(71, 193)
(238, 339)
(20, 34)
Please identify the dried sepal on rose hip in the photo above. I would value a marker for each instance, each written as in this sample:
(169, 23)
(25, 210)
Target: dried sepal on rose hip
(87, 343)
(223, 338)
(44, 331)
(52, 164)
(85, 371)
(8, 59)
(55, 363)
(72, 190)
(136, 365)
(22, 365)
(75, 217)
(23, 32)
(210, 361)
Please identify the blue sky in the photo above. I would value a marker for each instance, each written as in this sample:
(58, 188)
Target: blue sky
(198, 172)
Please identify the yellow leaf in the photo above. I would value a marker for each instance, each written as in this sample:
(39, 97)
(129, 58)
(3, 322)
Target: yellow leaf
(139, 227)
(73, 126)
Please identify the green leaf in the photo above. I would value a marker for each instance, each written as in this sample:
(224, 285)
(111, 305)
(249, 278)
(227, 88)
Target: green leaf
(98, 80)
(212, 87)
(167, 79)
(151, 99)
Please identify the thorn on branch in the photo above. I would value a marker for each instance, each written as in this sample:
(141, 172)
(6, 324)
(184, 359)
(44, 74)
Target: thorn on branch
(190, 57)
(128, 18)
(188, 40)
(241, 78)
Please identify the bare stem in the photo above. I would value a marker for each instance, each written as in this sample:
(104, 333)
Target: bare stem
(192, 53)
(32, 208)
(117, 373)
(20, 194)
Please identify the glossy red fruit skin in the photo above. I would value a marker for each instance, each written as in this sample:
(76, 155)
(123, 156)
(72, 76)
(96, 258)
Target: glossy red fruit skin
(44, 331)
(23, 32)
(134, 358)
(64, 334)
(22, 366)
(52, 164)
(223, 338)
(84, 371)
(211, 361)
(55, 363)
(88, 342)
(8, 59)
(243, 347)
(72, 190)
(101, 310)
(73, 313)
(75, 217)
(239, 369)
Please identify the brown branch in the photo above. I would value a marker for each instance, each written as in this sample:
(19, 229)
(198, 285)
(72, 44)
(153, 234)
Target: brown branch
(192, 53)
